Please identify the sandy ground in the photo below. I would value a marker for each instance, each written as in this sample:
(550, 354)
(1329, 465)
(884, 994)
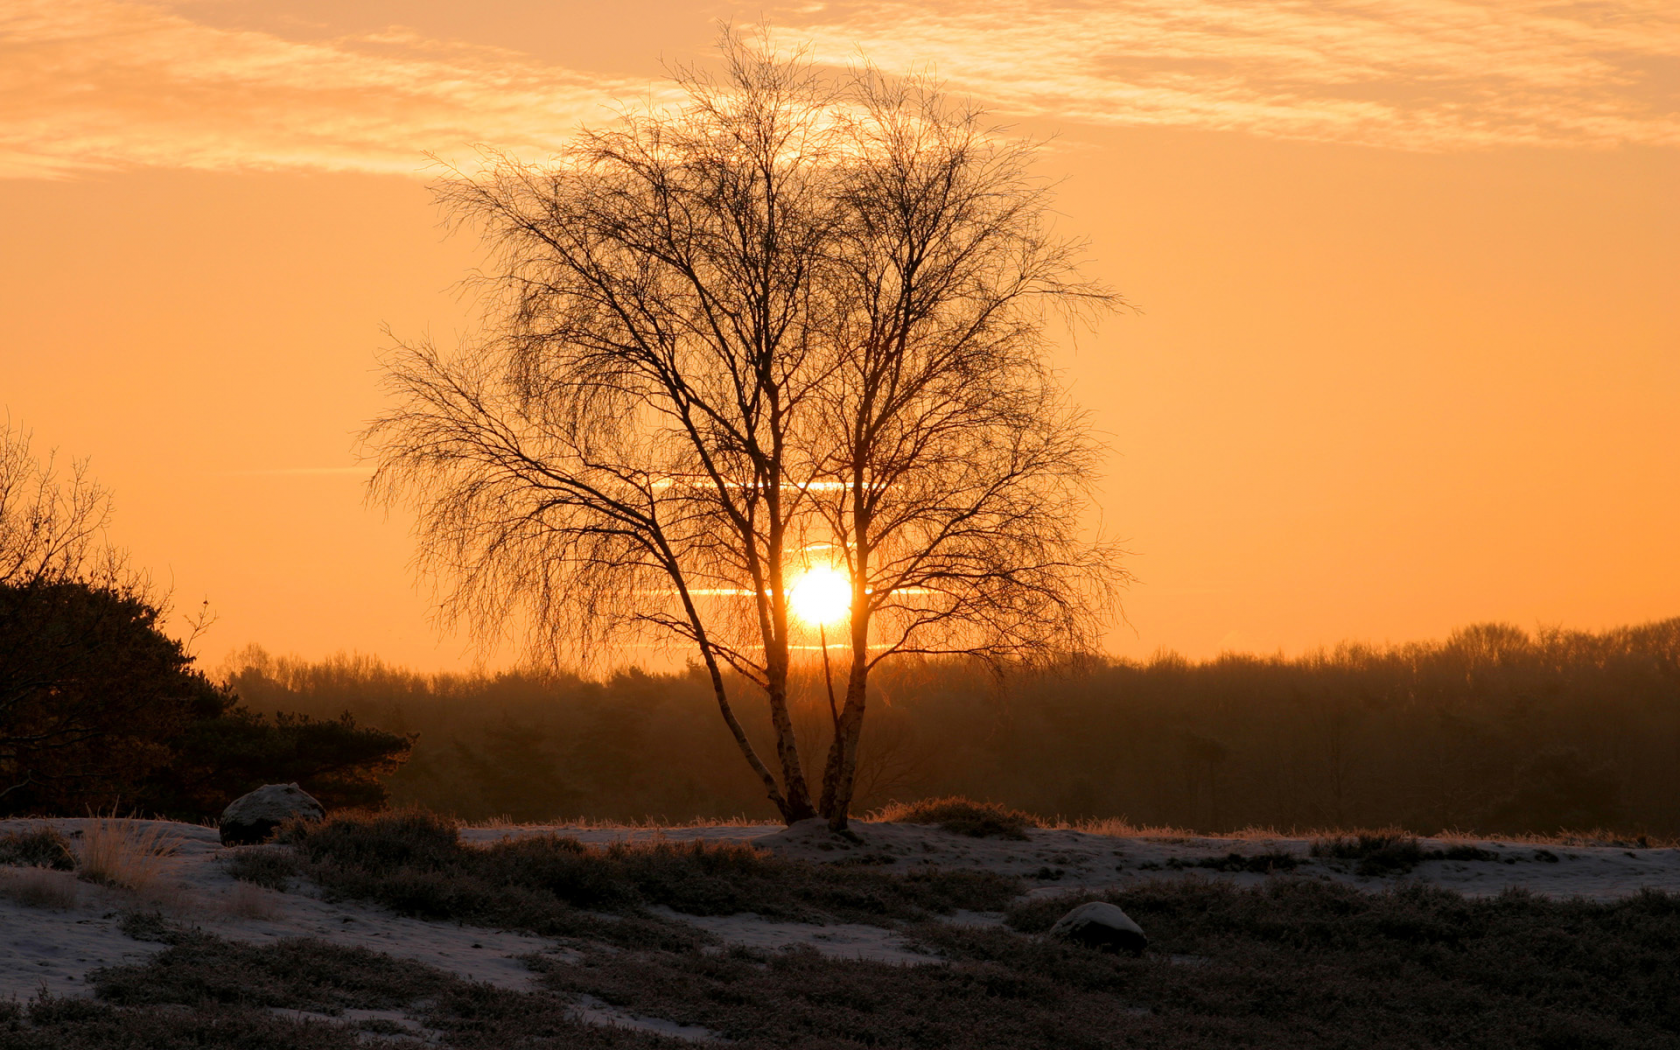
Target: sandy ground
(55, 949)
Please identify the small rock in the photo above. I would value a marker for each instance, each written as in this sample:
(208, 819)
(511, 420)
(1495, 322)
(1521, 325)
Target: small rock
(250, 819)
(1103, 926)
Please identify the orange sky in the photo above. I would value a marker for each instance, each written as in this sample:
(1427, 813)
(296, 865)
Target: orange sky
(1409, 354)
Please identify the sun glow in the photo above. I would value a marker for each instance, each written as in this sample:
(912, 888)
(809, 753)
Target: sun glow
(822, 596)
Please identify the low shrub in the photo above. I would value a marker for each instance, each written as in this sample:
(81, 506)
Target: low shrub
(549, 884)
(75, 1023)
(211, 994)
(295, 974)
(39, 847)
(1462, 851)
(270, 867)
(1390, 851)
(962, 816)
(1377, 852)
(1261, 864)
(41, 888)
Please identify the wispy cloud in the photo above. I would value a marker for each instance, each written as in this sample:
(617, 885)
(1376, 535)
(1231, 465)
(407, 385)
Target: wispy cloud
(89, 85)
(1409, 74)
(96, 84)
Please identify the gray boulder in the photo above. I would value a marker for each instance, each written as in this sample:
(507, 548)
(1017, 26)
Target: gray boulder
(1102, 926)
(250, 819)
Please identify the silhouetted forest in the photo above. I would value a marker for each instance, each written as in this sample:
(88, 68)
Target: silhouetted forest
(99, 708)
(1494, 729)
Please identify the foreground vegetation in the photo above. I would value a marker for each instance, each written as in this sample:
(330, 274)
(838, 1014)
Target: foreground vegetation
(1294, 962)
(1494, 730)
(551, 885)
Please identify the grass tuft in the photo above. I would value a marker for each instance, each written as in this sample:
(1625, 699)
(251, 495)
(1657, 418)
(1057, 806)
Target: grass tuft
(962, 816)
(40, 847)
(125, 853)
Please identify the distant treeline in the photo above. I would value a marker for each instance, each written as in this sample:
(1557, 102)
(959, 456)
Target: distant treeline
(1493, 730)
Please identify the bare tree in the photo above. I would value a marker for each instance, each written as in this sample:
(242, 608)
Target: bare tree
(52, 521)
(951, 469)
(799, 315)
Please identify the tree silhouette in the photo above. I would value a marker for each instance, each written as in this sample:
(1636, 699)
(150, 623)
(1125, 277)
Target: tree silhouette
(52, 521)
(796, 325)
(97, 703)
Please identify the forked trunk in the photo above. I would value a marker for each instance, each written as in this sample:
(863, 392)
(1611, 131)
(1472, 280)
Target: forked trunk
(796, 803)
(840, 771)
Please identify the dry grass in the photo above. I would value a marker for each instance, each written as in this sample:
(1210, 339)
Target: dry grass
(41, 888)
(247, 901)
(125, 853)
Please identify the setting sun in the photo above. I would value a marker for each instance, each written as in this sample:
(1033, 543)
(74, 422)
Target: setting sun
(822, 596)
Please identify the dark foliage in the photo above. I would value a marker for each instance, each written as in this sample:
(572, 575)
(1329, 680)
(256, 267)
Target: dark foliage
(295, 974)
(1390, 852)
(97, 705)
(1493, 730)
(1561, 788)
(268, 866)
(208, 993)
(964, 817)
(90, 692)
(1260, 864)
(525, 746)
(79, 1024)
(38, 847)
(415, 864)
(340, 763)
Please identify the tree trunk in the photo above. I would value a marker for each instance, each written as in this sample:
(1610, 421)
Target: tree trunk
(797, 804)
(840, 772)
(841, 776)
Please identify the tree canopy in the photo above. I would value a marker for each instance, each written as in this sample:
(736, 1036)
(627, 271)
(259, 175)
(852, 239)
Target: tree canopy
(798, 324)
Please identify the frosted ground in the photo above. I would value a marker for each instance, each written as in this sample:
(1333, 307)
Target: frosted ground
(54, 949)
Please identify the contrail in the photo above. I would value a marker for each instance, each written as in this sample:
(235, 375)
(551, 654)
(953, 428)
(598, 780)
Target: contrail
(291, 471)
